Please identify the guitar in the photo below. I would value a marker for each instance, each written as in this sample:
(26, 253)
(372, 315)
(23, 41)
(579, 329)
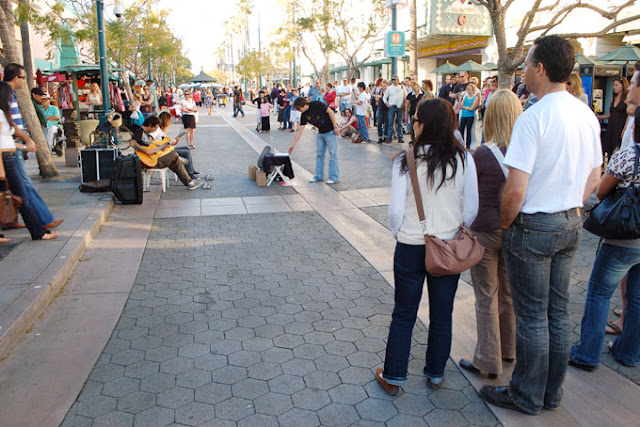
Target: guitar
(164, 147)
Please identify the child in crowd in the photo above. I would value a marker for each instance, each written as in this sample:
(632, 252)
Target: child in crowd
(295, 115)
(265, 109)
(362, 101)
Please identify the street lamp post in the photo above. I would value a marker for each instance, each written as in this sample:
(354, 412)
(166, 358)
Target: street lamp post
(102, 50)
(394, 19)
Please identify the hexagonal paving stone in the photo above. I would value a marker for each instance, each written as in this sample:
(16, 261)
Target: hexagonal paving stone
(277, 355)
(376, 409)
(210, 362)
(175, 397)
(257, 344)
(264, 370)
(136, 402)
(439, 417)
(412, 404)
(298, 328)
(195, 413)
(193, 379)
(261, 420)
(298, 367)
(115, 418)
(142, 369)
(234, 409)
(273, 404)
(286, 384)
(347, 394)
(127, 357)
(194, 350)
(364, 359)
(178, 340)
(331, 363)
(403, 420)
(154, 417)
(157, 383)
(226, 347)
(96, 406)
(340, 348)
(297, 417)
(355, 375)
(338, 415)
(161, 354)
(288, 341)
(121, 387)
(107, 372)
(244, 358)
(309, 351)
(449, 399)
(213, 393)
(249, 388)
(177, 365)
(311, 399)
(322, 380)
(229, 374)
(479, 414)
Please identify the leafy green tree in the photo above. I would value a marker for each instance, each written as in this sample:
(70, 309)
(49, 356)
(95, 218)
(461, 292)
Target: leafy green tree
(254, 64)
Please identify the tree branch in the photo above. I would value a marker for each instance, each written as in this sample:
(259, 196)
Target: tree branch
(602, 32)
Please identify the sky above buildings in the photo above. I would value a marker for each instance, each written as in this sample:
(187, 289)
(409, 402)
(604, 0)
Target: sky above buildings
(200, 25)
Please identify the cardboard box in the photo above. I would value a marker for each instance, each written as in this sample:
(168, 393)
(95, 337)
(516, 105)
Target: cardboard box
(261, 179)
(252, 172)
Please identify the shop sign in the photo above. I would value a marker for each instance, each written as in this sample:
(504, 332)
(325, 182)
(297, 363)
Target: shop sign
(394, 44)
(458, 17)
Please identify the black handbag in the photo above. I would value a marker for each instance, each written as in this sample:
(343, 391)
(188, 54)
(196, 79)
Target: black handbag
(617, 216)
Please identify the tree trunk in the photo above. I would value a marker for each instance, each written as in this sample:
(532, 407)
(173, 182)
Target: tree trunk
(413, 42)
(26, 51)
(505, 77)
(7, 35)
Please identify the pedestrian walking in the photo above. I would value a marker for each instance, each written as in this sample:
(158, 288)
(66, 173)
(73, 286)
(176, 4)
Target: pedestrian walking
(394, 98)
(541, 219)
(446, 176)
(323, 118)
(189, 111)
(495, 321)
(12, 170)
(237, 102)
(208, 100)
(362, 102)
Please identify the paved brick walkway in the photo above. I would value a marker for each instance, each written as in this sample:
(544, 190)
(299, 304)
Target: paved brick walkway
(258, 320)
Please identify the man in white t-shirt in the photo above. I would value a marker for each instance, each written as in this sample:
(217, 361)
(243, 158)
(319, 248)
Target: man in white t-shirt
(554, 161)
(394, 98)
(344, 93)
(362, 101)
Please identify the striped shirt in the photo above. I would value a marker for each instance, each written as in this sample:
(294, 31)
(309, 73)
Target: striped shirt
(15, 112)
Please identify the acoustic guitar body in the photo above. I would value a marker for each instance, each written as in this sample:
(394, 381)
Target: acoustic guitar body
(152, 160)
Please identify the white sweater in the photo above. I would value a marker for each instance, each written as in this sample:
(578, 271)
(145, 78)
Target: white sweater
(394, 96)
(455, 203)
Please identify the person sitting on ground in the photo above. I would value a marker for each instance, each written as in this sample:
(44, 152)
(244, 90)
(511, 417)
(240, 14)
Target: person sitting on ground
(350, 125)
(142, 139)
(183, 152)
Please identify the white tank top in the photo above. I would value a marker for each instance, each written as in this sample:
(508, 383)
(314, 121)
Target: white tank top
(6, 134)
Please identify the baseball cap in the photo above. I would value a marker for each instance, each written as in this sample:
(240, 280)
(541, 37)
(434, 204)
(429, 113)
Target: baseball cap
(46, 96)
(395, 77)
(37, 91)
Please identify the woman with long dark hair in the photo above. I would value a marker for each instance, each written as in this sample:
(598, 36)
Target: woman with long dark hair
(617, 117)
(449, 190)
(9, 169)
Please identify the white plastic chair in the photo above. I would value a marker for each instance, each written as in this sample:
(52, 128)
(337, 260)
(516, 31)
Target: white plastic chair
(163, 177)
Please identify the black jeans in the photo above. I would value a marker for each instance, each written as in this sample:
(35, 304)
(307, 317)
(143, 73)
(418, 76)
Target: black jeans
(466, 124)
(19, 187)
(409, 273)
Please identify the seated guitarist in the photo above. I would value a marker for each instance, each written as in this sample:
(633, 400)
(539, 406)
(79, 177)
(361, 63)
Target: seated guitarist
(142, 139)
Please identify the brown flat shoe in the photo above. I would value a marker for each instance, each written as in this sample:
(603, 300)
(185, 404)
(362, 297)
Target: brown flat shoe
(53, 224)
(391, 389)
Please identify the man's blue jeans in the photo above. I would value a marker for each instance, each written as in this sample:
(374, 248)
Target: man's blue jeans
(345, 105)
(611, 265)
(237, 109)
(287, 117)
(409, 273)
(326, 141)
(39, 206)
(362, 128)
(19, 187)
(539, 251)
(394, 113)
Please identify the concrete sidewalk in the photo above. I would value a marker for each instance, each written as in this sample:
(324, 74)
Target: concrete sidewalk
(34, 272)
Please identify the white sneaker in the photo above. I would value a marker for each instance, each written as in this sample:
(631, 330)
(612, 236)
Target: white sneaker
(194, 184)
(332, 182)
(314, 179)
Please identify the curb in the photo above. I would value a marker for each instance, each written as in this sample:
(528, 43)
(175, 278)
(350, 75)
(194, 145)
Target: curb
(18, 317)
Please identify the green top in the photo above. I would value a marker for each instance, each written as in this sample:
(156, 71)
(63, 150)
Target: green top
(40, 112)
(52, 111)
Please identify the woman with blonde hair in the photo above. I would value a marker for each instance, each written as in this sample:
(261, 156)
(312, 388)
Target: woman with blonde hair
(94, 99)
(574, 87)
(495, 320)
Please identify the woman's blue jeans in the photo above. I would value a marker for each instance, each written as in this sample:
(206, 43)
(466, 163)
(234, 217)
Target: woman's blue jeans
(409, 273)
(612, 264)
(287, 117)
(362, 128)
(39, 206)
(19, 187)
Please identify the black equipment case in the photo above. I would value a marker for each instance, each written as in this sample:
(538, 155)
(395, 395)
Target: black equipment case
(97, 163)
(126, 181)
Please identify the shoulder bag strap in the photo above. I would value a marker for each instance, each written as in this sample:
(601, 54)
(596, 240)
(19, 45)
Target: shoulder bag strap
(499, 157)
(413, 174)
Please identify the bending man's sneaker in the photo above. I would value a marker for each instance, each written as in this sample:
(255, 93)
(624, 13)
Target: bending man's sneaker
(194, 184)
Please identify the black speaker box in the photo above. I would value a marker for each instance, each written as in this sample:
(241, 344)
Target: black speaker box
(97, 163)
(126, 181)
